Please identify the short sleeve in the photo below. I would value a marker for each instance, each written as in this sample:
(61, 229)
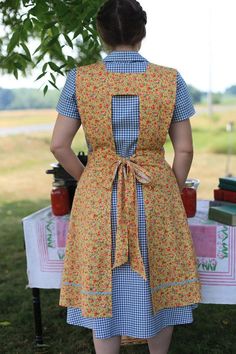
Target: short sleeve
(67, 104)
(183, 105)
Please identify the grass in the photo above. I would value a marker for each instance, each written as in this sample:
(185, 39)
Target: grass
(25, 188)
(215, 335)
(10, 119)
(209, 133)
(24, 160)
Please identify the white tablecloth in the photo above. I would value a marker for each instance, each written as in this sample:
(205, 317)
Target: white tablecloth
(215, 246)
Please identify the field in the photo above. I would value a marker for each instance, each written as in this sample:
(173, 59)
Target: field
(25, 188)
(24, 158)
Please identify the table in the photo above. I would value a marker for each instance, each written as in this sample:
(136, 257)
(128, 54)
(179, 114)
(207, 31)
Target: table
(215, 247)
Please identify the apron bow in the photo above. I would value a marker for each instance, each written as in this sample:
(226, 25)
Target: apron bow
(127, 240)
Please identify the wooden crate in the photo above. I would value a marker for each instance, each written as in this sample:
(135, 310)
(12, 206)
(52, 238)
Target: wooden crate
(125, 340)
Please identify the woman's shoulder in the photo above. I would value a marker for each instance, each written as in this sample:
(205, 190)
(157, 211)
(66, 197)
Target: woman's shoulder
(162, 68)
(88, 67)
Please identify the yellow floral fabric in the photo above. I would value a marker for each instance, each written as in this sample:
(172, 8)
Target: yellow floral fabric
(87, 276)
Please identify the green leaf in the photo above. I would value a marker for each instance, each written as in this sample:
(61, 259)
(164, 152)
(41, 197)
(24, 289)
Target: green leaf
(50, 13)
(93, 32)
(13, 41)
(45, 67)
(40, 9)
(49, 25)
(62, 66)
(60, 8)
(45, 90)
(40, 76)
(53, 40)
(71, 60)
(23, 34)
(15, 72)
(54, 85)
(53, 78)
(37, 49)
(85, 35)
(27, 24)
(27, 52)
(68, 40)
(54, 67)
(55, 31)
(91, 44)
(19, 66)
(77, 33)
(33, 11)
(40, 57)
(35, 21)
(25, 57)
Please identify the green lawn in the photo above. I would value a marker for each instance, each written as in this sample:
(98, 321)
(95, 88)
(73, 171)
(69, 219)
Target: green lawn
(212, 332)
(25, 188)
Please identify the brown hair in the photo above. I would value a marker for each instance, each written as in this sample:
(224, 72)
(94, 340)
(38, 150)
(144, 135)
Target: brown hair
(121, 22)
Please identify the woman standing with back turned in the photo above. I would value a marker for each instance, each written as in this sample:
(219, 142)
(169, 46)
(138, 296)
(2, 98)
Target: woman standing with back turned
(130, 265)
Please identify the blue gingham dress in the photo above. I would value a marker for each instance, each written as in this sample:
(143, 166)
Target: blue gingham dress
(131, 295)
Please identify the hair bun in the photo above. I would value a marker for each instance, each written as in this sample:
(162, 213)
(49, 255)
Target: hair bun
(121, 22)
(144, 16)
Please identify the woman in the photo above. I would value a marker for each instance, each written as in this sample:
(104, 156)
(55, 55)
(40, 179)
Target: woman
(130, 266)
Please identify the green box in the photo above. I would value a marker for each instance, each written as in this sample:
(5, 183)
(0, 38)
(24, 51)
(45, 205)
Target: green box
(225, 214)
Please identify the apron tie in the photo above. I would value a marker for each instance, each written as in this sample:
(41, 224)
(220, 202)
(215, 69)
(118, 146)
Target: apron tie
(127, 240)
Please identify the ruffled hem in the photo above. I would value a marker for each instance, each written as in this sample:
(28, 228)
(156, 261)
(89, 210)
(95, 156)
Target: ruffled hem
(105, 328)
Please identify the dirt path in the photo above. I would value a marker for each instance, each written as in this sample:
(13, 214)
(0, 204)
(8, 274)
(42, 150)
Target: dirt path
(26, 129)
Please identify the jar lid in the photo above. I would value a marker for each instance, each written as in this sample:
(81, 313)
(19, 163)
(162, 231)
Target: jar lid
(59, 183)
(192, 183)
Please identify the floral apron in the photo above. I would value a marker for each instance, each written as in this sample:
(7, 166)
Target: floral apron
(87, 276)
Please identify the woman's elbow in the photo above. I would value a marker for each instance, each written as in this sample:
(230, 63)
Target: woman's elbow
(187, 151)
(189, 155)
(55, 148)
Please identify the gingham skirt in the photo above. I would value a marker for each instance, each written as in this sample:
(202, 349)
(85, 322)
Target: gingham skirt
(131, 295)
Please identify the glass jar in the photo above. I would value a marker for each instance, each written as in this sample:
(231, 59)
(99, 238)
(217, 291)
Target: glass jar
(60, 201)
(189, 197)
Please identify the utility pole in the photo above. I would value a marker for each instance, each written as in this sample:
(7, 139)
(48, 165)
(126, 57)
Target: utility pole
(209, 95)
(229, 129)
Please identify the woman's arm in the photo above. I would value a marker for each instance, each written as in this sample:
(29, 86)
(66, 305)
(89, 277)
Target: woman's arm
(64, 131)
(181, 138)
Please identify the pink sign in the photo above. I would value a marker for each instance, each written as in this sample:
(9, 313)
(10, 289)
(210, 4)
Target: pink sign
(204, 240)
(61, 227)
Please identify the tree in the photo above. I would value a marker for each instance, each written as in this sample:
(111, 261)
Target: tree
(231, 90)
(56, 26)
(195, 94)
(217, 97)
(6, 98)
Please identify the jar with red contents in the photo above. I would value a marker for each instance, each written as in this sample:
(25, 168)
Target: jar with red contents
(60, 201)
(189, 197)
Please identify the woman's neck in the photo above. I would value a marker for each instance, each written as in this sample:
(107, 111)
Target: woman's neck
(127, 48)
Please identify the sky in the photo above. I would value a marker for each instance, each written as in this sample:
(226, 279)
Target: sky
(195, 37)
